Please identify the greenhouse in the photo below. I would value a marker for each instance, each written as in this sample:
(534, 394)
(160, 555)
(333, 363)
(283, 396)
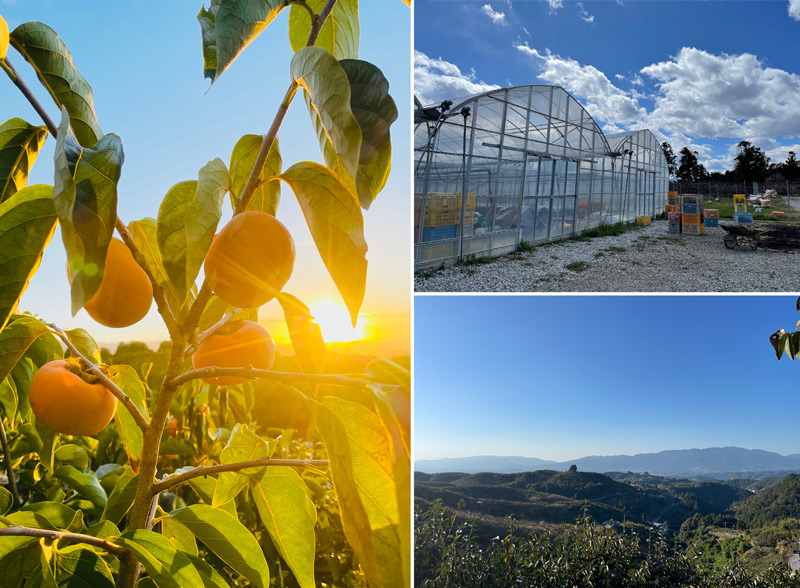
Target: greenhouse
(535, 167)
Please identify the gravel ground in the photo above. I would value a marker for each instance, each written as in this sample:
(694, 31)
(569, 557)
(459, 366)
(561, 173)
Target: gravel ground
(647, 259)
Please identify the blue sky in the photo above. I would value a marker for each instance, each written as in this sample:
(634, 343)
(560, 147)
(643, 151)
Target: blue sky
(561, 377)
(145, 66)
(702, 74)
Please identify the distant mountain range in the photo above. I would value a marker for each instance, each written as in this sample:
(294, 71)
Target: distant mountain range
(711, 463)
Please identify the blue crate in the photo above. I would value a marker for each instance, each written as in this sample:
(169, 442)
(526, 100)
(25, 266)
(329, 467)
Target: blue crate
(711, 222)
(438, 233)
(743, 218)
(675, 228)
(691, 209)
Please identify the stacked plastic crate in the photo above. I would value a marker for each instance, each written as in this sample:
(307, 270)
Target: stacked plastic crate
(442, 215)
(740, 214)
(692, 214)
(710, 217)
(673, 210)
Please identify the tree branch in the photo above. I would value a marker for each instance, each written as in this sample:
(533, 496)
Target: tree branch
(284, 377)
(107, 382)
(212, 329)
(234, 467)
(196, 311)
(17, 531)
(37, 106)
(160, 296)
(12, 481)
(269, 138)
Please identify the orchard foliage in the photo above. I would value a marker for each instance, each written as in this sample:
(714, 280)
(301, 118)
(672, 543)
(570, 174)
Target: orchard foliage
(192, 485)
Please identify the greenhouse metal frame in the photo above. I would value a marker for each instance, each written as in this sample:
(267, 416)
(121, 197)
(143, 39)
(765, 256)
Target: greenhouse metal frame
(535, 167)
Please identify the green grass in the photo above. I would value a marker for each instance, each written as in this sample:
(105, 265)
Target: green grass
(577, 266)
(615, 249)
(476, 260)
(725, 207)
(606, 231)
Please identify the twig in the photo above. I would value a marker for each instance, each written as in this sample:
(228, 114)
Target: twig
(160, 296)
(234, 467)
(285, 377)
(212, 329)
(12, 481)
(37, 106)
(17, 531)
(107, 382)
(269, 138)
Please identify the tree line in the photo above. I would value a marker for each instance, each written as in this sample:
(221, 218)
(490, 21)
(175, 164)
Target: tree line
(751, 165)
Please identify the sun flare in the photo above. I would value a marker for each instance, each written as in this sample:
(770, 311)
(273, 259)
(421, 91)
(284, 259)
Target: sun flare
(334, 321)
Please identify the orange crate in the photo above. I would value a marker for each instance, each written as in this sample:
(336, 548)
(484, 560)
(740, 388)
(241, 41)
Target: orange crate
(692, 219)
(671, 208)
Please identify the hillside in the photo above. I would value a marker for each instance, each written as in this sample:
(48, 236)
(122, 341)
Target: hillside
(718, 463)
(560, 497)
(779, 501)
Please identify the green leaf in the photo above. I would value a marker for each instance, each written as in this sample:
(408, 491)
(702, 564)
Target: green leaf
(187, 219)
(46, 577)
(231, 25)
(208, 33)
(210, 576)
(132, 437)
(27, 223)
(20, 143)
(228, 539)
(49, 441)
(243, 445)
(305, 334)
(288, 513)
(267, 195)
(8, 398)
(337, 226)
(86, 203)
(327, 93)
(18, 565)
(375, 112)
(60, 516)
(144, 235)
(6, 501)
(46, 52)
(168, 567)
(15, 340)
(205, 488)
(103, 530)
(217, 308)
(179, 536)
(86, 485)
(340, 33)
(361, 464)
(86, 344)
(23, 519)
(78, 565)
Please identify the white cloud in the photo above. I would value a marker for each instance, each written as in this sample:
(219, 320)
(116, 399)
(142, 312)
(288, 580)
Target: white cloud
(619, 77)
(637, 81)
(497, 17)
(602, 99)
(794, 9)
(526, 31)
(555, 5)
(706, 95)
(585, 16)
(437, 79)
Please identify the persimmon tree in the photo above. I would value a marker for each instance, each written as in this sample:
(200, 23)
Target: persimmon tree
(186, 487)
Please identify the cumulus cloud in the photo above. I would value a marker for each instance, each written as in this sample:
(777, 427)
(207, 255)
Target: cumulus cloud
(497, 17)
(601, 97)
(585, 16)
(555, 5)
(794, 9)
(706, 95)
(437, 79)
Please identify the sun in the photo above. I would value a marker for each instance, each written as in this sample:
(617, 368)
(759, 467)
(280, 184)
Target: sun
(334, 321)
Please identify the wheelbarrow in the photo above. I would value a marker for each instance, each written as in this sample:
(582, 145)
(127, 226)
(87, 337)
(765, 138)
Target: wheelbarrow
(740, 236)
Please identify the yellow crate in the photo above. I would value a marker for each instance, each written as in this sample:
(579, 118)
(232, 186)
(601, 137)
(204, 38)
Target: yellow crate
(692, 219)
(671, 208)
(643, 220)
(436, 204)
(672, 194)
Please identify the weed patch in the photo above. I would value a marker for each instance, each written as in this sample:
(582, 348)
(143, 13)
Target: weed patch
(577, 266)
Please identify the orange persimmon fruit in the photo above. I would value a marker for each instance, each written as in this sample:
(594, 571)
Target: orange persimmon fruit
(126, 293)
(250, 260)
(64, 401)
(237, 344)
